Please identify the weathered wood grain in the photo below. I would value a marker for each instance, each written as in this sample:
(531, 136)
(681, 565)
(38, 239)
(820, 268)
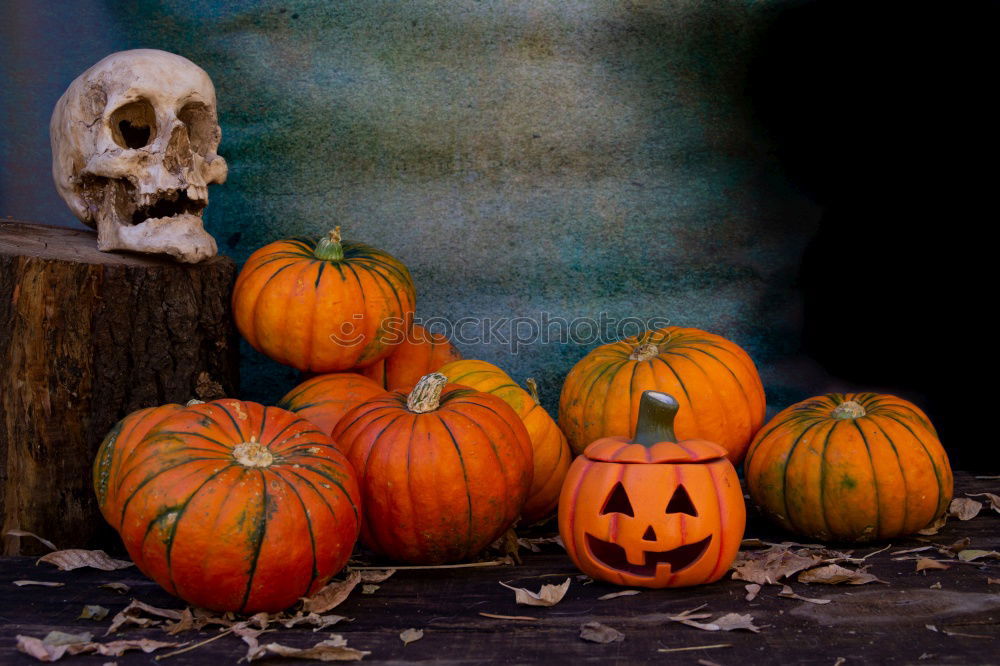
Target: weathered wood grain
(870, 624)
(85, 338)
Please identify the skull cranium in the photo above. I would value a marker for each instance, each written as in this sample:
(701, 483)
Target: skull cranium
(133, 146)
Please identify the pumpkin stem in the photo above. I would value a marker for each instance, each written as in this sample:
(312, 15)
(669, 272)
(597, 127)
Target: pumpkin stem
(644, 352)
(533, 389)
(656, 419)
(848, 410)
(252, 454)
(426, 395)
(329, 248)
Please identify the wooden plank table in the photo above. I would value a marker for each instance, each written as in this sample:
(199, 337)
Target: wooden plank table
(872, 623)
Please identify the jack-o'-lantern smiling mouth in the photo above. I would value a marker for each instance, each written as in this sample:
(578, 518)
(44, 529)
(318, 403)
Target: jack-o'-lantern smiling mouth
(612, 555)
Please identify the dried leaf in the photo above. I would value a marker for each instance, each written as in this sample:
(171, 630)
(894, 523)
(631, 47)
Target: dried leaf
(787, 593)
(410, 635)
(834, 574)
(93, 612)
(120, 588)
(753, 589)
(332, 649)
(992, 581)
(936, 586)
(934, 527)
(132, 614)
(956, 547)
(185, 623)
(76, 558)
(369, 589)
(927, 563)
(993, 499)
(117, 648)
(41, 583)
(37, 648)
(596, 632)
(548, 595)
(376, 575)
(771, 565)
(964, 508)
(318, 621)
(972, 554)
(913, 550)
(21, 533)
(615, 595)
(727, 622)
(332, 595)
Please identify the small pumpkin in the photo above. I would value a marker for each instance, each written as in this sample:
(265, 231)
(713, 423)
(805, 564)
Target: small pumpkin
(322, 306)
(850, 467)
(714, 380)
(324, 399)
(234, 506)
(420, 353)
(444, 470)
(650, 511)
(551, 451)
(116, 448)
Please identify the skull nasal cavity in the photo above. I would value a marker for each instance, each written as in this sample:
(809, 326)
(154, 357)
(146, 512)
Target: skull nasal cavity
(650, 534)
(681, 503)
(133, 124)
(618, 502)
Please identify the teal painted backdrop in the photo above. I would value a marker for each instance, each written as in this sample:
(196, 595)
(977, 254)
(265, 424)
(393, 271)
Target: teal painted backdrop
(569, 158)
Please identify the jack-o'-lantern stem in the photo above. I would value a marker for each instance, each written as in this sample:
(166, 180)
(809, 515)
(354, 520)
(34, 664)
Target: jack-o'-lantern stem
(533, 390)
(426, 395)
(329, 248)
(656, 419)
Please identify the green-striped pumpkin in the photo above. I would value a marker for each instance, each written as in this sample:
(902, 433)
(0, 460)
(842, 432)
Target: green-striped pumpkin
(231, 505)
(850, 467)
(323, 306)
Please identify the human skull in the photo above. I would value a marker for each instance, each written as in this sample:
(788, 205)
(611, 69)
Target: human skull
(133, 152)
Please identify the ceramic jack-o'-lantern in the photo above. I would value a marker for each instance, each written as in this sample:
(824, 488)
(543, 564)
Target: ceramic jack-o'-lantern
(652, 512)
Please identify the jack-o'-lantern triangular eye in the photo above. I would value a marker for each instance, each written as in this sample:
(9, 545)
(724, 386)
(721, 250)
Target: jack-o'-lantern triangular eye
(617, 502)
(681, 503)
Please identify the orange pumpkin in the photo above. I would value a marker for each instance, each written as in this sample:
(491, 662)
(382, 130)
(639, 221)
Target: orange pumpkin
(233, 506)
(854, 467)
(714, 380)
(116, 448)
(649, 511)
(421, 353)
(323, 306)
(551, 451)
(324, 399)
(444, 470)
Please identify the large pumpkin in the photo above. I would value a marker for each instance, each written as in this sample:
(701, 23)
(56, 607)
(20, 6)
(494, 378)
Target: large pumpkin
(323, 306)
(850, 467)
(234, 506)
(444, 470)
(715, 382)
(551, 452)
(649, 511)
(116, 448)
(324, 399)
(420, 353)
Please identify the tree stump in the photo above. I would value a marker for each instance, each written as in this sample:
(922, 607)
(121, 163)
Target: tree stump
(85, 338)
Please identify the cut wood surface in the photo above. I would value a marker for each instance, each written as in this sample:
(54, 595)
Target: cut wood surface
(947, 616)
(85, 338)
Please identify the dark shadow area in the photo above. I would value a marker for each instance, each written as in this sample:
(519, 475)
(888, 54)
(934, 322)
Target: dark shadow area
(883, 113)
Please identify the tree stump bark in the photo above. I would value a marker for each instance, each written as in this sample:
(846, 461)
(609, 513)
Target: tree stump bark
(85, 338)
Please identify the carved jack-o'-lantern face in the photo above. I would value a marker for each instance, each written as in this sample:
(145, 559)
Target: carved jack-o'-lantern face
(651, 512)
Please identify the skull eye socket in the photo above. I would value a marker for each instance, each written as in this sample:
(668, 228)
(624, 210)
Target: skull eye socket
(133, 125)
(618, 502)
(681, 503)
(201, 126)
